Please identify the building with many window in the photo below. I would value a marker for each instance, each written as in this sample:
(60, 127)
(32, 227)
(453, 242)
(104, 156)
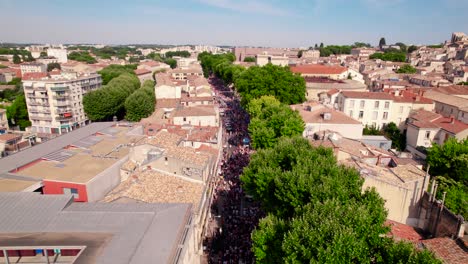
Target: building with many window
(31, 67)
(55, 103)
(379, 109)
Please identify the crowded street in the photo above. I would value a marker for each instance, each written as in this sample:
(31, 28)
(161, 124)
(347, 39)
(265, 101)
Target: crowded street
(233, 215)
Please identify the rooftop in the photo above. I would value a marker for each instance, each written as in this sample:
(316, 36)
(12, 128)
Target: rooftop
(154, 187)
(90, 156)
(198, 110)
(447, 249)
(149, 233)
(315, 114)
(367, 95)
(403, 232)
(318, 69)
(142, 71)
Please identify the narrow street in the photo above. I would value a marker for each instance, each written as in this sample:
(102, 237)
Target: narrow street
(233, 215)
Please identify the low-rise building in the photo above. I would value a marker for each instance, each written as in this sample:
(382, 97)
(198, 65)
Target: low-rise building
(32, 67)
(451, 101)
(264, 58)
(55, 102)
(379, 109)
(182, 74)
(362, 53)
(319, 70)
(318, 87)
(201, 115)
(425, 127)
(318, 118)
(166, 88)
(59, 53)
(143, 75)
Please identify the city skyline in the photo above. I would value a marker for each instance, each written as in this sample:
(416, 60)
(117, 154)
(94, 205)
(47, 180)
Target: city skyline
(273, 23)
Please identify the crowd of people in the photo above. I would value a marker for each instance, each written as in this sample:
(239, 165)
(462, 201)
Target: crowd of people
(236, 215)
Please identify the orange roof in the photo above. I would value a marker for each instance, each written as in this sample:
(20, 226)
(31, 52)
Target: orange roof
(447, 249)
(34, 75)
(403, 232)
(368, 95)
(450, 124)
(318, 69)
(141, 71)
(8, 137)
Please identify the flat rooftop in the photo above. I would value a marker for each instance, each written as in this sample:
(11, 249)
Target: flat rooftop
(82, 160)
(15, 183)
(112, 233)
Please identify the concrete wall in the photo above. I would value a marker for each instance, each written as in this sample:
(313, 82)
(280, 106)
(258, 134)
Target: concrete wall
(400, 201)
(167, 92)
(417, 137)
(353, 131)
(56, 187)
(196, 120)
(438, 220)
(105, 181)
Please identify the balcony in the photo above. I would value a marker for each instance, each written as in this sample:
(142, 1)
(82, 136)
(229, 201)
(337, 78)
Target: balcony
(60, 88)
(61, 97)
(59, 103)
(39, 104)
(40, 118)
(63, 118)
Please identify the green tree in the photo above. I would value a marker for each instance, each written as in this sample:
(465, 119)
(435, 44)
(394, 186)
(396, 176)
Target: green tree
(403, 47)
(390, 56)
(321, 45)
(449, 160)
(412, 48)
(287, 87)
(53, 65)
(43, 54)
(18, 112)
(112, 71)
(82, 56)
(456, 198)
(382, 42)
(16, 59)
(271, 120)
(299, 53)
(371, 131)
(249, 59)
(393, 133)
(141, 103)
(408, 69)
(171, 54)
(171, 62)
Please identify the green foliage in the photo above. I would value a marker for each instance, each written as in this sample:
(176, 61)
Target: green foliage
(361, 45)
(3, 66)
(141, 103)
(436, 46)
(43, 54)
(334, 49)
(401, 252)
(402, 46)
(171, 62)
(287, 87)
(382, 42)
(218, 62)
(19, 113)
(251, 59)
(393, 133)
(82, 56)
(457, 195)
(408, 69)
(371, 131)
(53, 65)
(184, 54)
(390, 56)
(107, 102)
(449, 160)
(463, 83)
(271, 120)
(412, 48)
(155, 56)
(112, 71)
(16, 59)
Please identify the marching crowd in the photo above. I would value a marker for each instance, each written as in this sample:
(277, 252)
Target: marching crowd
(237, 214)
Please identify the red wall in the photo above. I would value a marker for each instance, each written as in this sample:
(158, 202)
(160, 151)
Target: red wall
(53, 187)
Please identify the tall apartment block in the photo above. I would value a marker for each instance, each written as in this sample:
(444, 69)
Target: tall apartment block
(55, 102)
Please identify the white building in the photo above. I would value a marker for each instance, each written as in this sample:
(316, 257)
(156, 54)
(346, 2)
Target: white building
(200, 115)
(379, 109)
(166, 89)
(319, 70)
(318, 118)
(55, 103)
(263, 59)
(60, 54)
(29, 67)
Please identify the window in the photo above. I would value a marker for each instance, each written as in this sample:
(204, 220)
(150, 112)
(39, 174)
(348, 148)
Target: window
(361, 114)
(428, 134)
(351, 103)
(385, 115)
(185, 119)
(387, 105)
(401, 109)
(376, 104)
(363, 103)
(165, 158)
(351, 113)
(375, 115)
(72, 191)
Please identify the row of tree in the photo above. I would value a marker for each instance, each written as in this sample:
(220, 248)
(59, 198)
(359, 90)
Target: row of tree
(82, 56)
(395, 56)
(109, 101)
(316, 210)
(141, 103)
(168, 60)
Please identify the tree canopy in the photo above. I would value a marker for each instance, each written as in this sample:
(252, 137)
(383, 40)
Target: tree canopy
(412, 48)
(141, 103)
(393, 133)
(53, 65)
(334, 49)
(112, 71)
(184, 54)
(18, 112)
(389, 56)
(406, 69)
(287, 87)
(382, 42)
(250, 59)
(108, 101)
(271, 120)
(82, 56)
(449, 160)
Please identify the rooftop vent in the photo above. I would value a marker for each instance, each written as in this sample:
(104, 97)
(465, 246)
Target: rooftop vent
(327, 116)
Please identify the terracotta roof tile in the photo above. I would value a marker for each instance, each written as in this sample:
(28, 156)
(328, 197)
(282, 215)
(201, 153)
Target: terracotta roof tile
(368, 95)
(404, 232)
(318, 69)
(447, 249)
(142, 71)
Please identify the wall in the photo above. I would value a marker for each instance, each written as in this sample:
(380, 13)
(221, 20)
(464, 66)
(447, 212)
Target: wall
(417, 137)
(176, 167)
(165, 91)
(438, 220)
(196, 120)
(353, 131)
(368, 109)
(400, 201)
(105, 181)
(56, 187)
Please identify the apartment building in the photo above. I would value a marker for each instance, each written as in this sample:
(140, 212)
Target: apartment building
(362, 52)
(32, 67)
(379, 109)
(265, 58)
(60, 54)
(55, 103)
(182, 74)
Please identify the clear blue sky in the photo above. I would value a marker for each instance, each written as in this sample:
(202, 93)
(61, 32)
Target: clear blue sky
(287, 23)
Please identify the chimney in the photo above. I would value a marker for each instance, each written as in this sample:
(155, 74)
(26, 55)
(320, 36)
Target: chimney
(452, 120)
